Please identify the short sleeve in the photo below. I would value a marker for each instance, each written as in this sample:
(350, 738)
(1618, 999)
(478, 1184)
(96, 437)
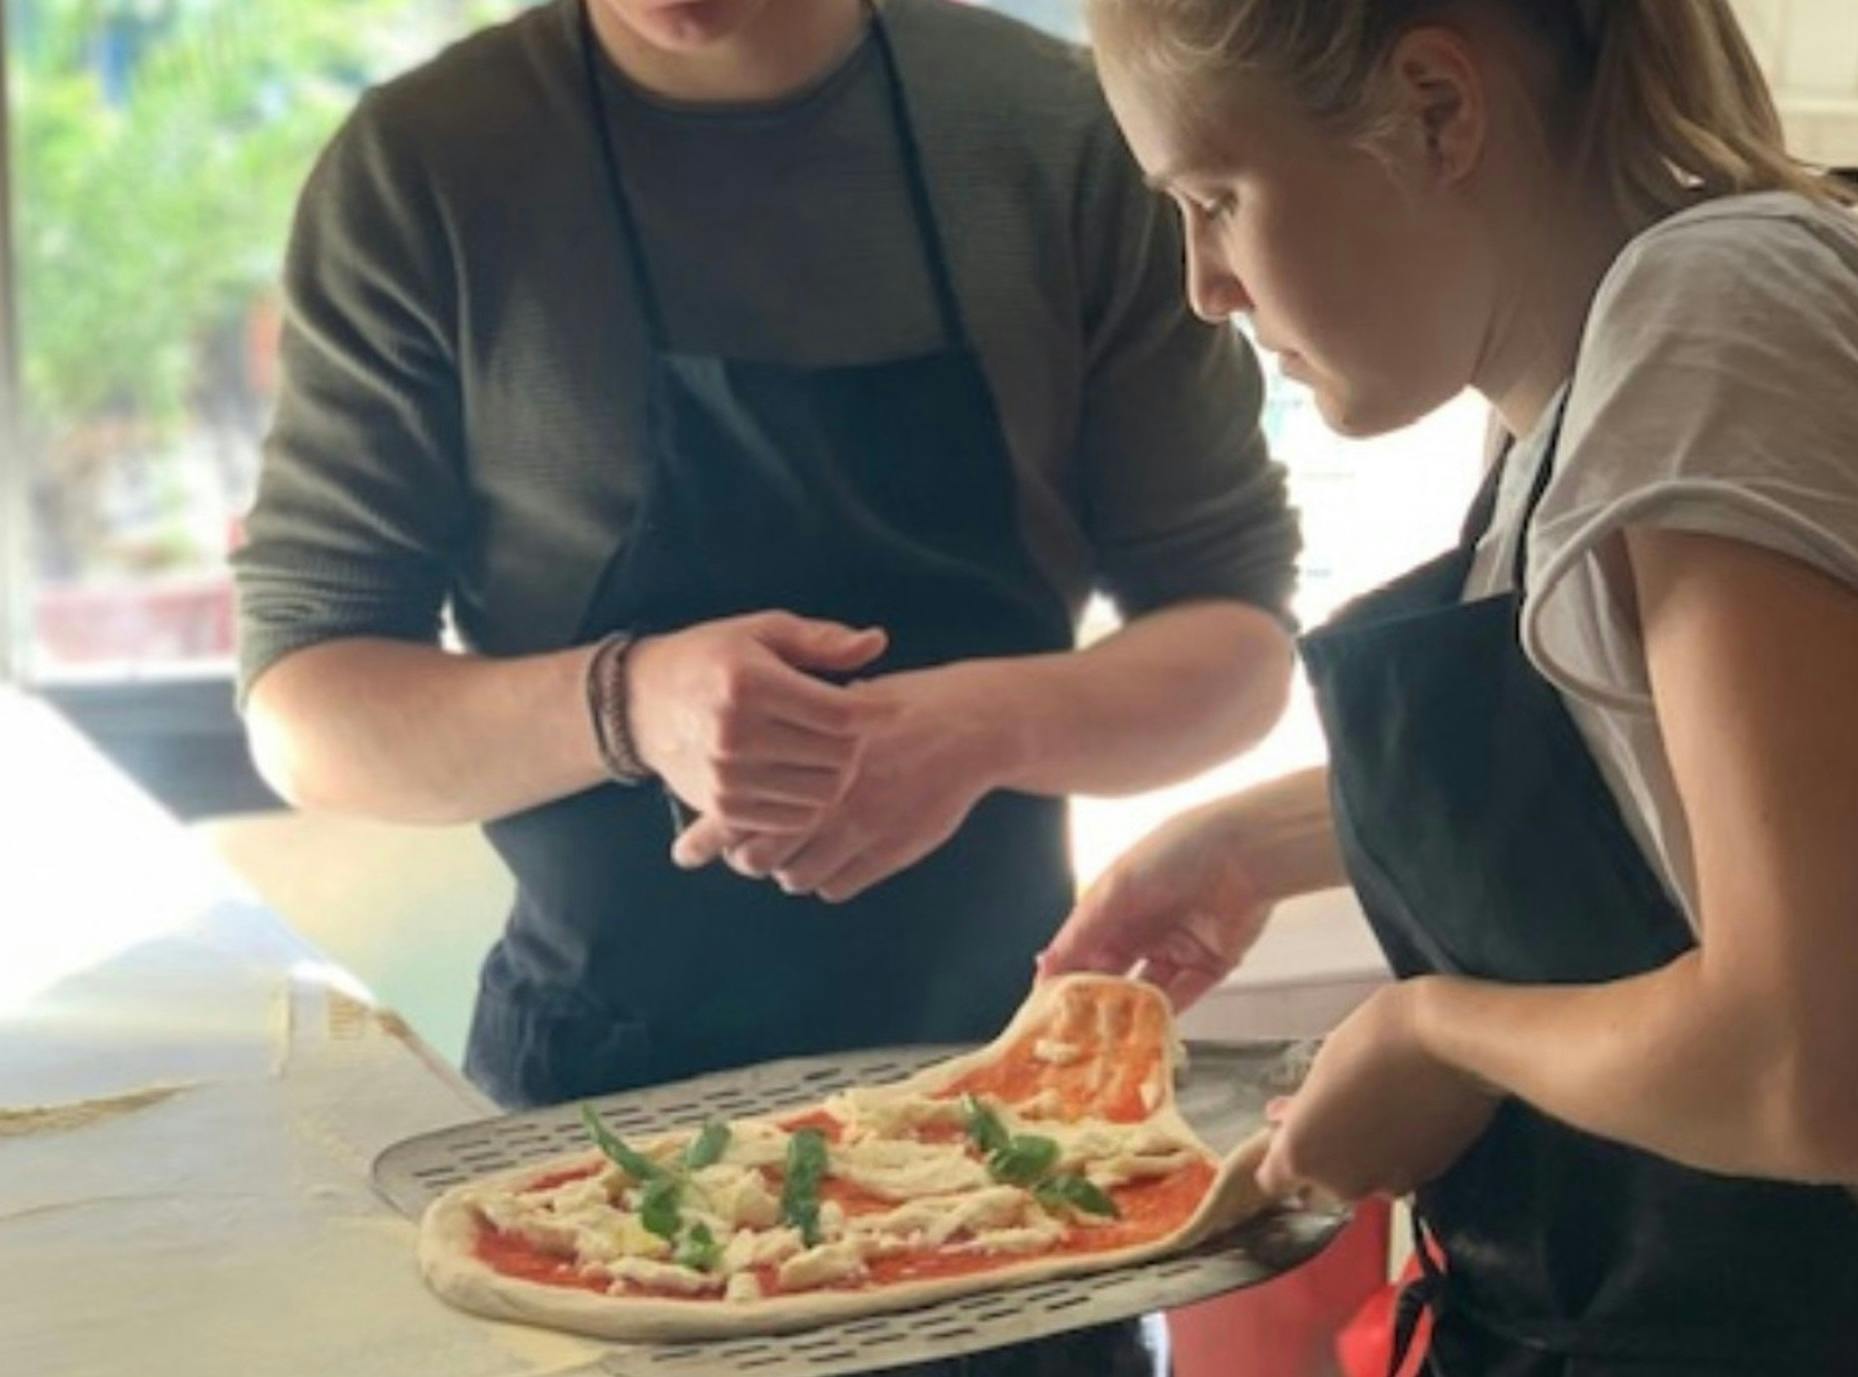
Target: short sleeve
(361, 506)
(1717, 392)
(1181, 498)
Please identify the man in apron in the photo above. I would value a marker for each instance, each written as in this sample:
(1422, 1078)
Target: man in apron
(834, 351)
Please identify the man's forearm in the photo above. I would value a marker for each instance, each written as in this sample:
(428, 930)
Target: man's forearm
(411, 733)
(1168, 695)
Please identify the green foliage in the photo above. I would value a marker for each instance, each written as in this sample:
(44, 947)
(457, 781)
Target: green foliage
(158, 148)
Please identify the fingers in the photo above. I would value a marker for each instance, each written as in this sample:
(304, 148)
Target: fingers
(748, 792)
(1183, 985)
(759, 856)
(1278, 1176)
(767, 739)
(784, 694)
(752, 855)
(700, 843)
(768, 775)
(807, 643)
(1104, 934)
(732, 727)
(819, 860)
(871, 867)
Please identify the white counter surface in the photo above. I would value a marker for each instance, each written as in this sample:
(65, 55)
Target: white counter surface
(189, 1101)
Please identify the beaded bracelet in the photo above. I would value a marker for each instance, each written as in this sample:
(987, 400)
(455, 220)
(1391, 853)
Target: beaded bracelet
(607, 705)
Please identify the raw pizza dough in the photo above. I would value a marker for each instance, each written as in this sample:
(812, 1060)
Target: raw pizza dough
(1089, 1060)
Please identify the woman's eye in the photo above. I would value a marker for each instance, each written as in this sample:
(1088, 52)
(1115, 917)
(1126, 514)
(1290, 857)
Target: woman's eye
(1217, 209)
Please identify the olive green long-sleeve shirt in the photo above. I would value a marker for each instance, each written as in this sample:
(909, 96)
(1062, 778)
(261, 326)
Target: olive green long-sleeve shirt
(463, 358)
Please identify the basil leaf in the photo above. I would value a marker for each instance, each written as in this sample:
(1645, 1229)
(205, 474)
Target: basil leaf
(699, 1250)
(658, 1210)
(707, 1148)
(1077, 1193)
(1025, 1160)
(635, 1164)
(806, 1168)
(984, 1127)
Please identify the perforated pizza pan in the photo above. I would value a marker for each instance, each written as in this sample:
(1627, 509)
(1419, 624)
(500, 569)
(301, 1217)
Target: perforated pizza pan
(1222, 1095)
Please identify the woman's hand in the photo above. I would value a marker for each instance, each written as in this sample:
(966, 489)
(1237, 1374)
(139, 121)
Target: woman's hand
(1182, 905)
(1187, 902)
(1379, 1114)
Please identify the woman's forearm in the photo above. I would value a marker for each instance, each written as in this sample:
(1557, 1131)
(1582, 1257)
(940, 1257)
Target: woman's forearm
(1284, 833)
(1676, 1062)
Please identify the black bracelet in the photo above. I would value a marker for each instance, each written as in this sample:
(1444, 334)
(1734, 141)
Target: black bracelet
(607, 705)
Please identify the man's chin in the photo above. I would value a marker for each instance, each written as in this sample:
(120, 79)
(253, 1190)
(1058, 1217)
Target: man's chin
(689, 25)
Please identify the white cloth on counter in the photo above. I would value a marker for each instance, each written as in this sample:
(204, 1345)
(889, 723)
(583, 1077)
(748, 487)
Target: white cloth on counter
(227, 1226)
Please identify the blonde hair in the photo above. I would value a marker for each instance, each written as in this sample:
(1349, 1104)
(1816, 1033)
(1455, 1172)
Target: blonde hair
(1664, 97)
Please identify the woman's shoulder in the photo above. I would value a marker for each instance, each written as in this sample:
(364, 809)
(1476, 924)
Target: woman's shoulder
(1737, 319)
(1719, 258)
(1714, 394)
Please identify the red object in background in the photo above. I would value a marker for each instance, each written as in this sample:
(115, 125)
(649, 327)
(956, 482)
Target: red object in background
(1290, 1327)
(1365, 1346)
(155, 621)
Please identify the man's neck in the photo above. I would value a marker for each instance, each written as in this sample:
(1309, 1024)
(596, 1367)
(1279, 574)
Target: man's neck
(785, 48)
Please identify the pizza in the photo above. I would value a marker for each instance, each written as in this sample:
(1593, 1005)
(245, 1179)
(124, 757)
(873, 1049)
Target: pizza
(1055, 1150)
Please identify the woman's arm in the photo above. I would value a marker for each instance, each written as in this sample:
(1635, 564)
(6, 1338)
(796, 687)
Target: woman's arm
(1742, 1056)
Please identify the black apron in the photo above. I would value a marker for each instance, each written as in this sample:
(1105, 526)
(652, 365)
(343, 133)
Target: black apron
(1483, 841)
(878, 494)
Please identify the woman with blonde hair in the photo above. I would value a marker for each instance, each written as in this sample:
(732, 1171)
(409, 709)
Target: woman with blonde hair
(1594, 772)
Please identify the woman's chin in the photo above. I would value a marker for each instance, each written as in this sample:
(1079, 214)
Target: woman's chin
(1356, 414)
(1344, 412)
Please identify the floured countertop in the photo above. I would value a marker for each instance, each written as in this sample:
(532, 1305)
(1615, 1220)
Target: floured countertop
(190, 1098)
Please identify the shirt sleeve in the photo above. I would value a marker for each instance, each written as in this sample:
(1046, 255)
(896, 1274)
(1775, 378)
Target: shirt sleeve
(1181, 498)
(1714, 395)
(361, 507)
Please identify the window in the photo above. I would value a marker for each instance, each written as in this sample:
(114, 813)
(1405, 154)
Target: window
(156, 151)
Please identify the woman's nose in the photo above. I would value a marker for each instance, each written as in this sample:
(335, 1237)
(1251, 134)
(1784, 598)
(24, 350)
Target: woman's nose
(1213, 289)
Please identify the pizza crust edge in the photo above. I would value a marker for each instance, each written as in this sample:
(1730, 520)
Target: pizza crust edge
(448, 1234)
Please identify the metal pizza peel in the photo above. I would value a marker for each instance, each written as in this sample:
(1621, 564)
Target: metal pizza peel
(1222, 1094)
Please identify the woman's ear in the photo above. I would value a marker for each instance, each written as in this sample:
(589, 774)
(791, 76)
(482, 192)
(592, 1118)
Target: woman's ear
(1438, 90)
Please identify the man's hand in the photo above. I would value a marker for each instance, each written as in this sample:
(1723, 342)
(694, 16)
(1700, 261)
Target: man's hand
(926, 756)
(731, 716)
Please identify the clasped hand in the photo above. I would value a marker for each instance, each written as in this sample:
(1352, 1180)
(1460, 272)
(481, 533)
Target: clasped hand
(822, 788)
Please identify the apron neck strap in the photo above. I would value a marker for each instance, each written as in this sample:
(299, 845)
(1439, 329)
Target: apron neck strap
(621, 204)
(935, 258)
(1484, 506)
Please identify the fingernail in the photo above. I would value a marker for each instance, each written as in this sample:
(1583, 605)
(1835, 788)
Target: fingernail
(1275, 1110)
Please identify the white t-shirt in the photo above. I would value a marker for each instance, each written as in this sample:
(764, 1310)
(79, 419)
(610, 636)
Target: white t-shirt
(1717, 392)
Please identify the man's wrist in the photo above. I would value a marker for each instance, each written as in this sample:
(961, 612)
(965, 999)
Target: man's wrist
(1000, 721)
(609, 706)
